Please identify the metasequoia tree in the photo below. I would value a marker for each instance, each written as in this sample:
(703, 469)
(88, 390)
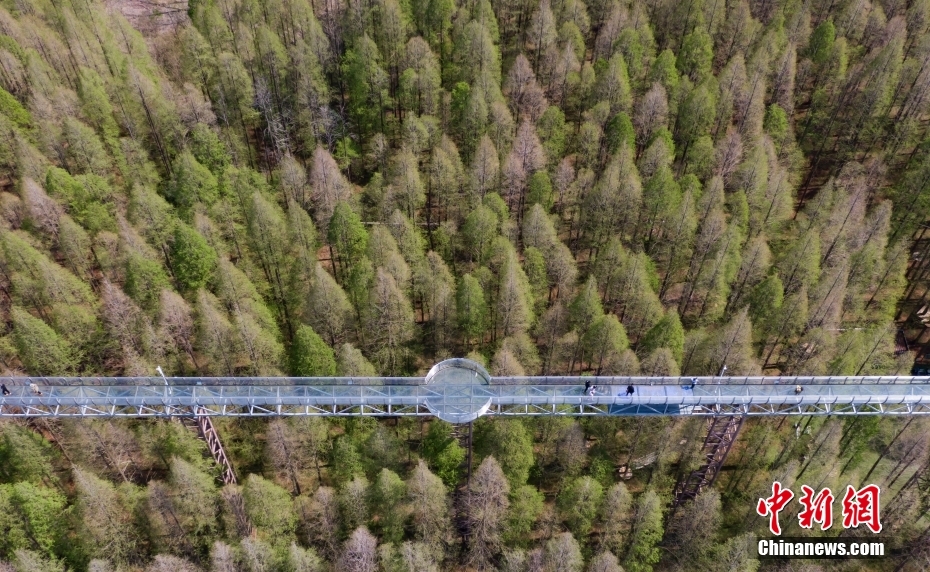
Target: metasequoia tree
(617, 514)
(327, 307)
(420, 79)
(196, 502)
(487, 504)
(429, 506)
(579, 503)
(691, 530)
(322, 519)
(618, 199)
(525, 95)
(350, 362)
(104, 518)
(485, 167)
(563, 553)
(604, 562)
(353, 503)
(645, 534)
(388, 494)
(269, 507)
(389, 322)
(541, 32)
(509, 443)
(286, 452)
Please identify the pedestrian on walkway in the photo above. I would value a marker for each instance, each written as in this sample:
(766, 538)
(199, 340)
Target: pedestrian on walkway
(694, 381)
(593, 389)
(587, 386)
(629, 390)
(798, 389)
(35, 389)
(5, 390)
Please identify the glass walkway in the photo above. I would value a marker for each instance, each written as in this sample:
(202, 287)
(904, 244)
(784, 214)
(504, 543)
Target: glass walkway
(460, 391)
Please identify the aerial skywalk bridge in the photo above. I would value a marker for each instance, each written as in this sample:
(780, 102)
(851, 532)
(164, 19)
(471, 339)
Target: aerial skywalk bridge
(460, 391)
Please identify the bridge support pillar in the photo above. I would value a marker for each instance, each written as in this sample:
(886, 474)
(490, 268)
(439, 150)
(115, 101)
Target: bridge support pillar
(721, 434)
(207, 432)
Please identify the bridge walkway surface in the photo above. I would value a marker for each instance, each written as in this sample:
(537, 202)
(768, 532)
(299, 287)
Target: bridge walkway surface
(462, 402)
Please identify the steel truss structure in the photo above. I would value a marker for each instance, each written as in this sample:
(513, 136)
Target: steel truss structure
(721, 434)
(207, 432)
(386, 397)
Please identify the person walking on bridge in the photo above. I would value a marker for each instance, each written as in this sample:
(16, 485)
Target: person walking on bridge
(5, 390)
(630, 391)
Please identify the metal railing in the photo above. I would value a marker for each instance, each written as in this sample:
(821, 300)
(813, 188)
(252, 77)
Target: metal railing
(412, 381)
(295, 396)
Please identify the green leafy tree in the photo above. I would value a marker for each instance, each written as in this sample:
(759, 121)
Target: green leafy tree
(539, 190)
(13, 109)
(191, 183)
(388, 495)
(617, 514)
(667, 333)
(429, 506)
(15, 534)
(526, 505)
(209, 150)
(145, 279)
(196, 503)
(478, 232)
(193, 260)
(24, 455)
(578, 503)
(443, 453)
(471, 309)
(41, 510)
(41, 349)
(88, 198)
(366, 81)
(605, 342)
(348, 236)
(820, 45)
(345, 461)
(85, 152)
(269, 508)
(647, 532)
(106, 524)
(619, 132)
(696, 55)
(510, 444)
(310, 356)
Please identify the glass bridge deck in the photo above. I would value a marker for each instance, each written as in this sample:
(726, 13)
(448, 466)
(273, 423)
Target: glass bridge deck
(458, 402)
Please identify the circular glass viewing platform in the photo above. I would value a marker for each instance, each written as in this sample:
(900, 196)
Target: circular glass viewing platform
(457, 390)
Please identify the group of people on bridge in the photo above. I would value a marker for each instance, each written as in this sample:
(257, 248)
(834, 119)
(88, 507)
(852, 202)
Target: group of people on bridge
(591, 389)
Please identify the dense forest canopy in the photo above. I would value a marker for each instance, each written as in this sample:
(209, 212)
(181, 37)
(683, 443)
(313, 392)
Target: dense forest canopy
(308, 187)
(285, 187)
